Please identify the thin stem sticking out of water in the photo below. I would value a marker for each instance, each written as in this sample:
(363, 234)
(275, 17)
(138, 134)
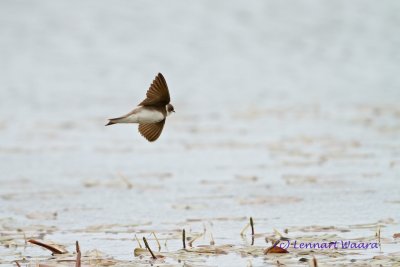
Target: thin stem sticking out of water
(184, 239)
(148, 248)
(315, 263)
(25, 240)
(138, 241)
(252, 230)
(17, 263)
(252, 226)
(190, 243)
(212, 242)
(378, 235)
(244, 229)
(78, 255)
(158, 242)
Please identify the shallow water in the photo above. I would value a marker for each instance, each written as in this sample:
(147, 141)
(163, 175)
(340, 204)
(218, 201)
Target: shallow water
(287, 112)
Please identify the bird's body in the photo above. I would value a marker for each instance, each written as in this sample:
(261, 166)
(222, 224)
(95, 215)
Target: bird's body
(151, 113)
(142, 114)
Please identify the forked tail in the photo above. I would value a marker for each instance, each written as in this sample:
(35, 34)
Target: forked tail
(112, 121)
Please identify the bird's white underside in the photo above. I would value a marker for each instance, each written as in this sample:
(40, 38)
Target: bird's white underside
(143, 115)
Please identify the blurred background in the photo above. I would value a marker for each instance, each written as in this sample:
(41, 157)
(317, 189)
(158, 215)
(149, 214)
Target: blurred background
(68, 55)
(286, 111)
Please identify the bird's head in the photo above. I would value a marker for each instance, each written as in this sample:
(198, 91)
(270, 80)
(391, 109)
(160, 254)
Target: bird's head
(170, 109)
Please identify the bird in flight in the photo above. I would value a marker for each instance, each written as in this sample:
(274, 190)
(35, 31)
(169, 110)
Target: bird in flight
(151, 113)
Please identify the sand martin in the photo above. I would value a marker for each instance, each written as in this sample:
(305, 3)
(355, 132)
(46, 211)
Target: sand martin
(151, 112)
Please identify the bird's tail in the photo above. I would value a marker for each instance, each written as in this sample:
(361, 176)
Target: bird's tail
(112, 121)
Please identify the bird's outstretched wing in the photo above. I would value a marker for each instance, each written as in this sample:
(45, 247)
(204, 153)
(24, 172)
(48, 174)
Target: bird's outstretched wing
(158, 94)
(151, 131)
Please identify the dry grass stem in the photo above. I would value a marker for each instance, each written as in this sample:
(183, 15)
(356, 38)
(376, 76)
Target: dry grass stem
(148, 248)
(244, 229)
(138, 241)
(78, 255)
(158, 242)
(184, 238)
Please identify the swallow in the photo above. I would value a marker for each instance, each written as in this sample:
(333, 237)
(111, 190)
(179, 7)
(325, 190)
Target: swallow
(152, 112)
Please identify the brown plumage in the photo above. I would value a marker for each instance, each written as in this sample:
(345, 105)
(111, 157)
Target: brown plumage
(151, 112)
(158, 94)
(151, 131)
